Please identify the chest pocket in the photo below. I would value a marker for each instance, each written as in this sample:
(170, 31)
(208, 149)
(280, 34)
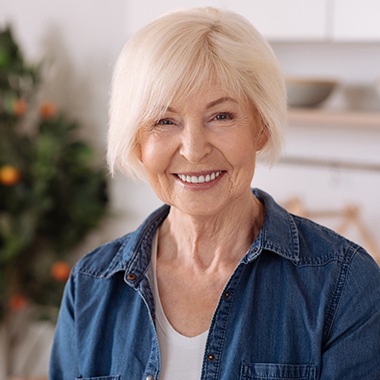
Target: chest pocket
(268, 371)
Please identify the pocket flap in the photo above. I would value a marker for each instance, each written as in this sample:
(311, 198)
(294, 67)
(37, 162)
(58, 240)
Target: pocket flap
(264, 371)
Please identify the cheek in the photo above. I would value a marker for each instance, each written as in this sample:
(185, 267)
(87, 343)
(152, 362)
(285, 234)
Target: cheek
(241, 148)
(147, 153)
(156, 161)
(155, 156)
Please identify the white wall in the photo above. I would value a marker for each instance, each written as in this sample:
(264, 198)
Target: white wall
(82, 39)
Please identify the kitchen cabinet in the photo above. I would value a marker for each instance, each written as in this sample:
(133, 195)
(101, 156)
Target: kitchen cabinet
(320, 20)
(275, 19)
(285, 19)
(280, 20)
(356, 20)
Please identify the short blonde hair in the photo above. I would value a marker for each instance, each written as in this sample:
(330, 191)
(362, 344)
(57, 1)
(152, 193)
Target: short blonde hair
(176, 55)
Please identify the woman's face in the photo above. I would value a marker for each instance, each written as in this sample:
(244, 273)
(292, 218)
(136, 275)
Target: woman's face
(200, 156)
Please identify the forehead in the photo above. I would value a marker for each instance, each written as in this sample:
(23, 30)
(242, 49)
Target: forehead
(207, 96)
(206, 93)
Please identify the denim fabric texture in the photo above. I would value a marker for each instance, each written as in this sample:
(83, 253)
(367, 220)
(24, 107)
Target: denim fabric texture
(303, 303)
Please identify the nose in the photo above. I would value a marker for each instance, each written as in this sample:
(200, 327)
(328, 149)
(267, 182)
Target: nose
(195, 143)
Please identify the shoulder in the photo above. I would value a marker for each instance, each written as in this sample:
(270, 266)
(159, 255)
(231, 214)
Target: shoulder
(102, 261)
(304, 242)
(130, 251)
(319, 245)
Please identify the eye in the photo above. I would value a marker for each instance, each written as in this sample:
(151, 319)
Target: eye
(223, 116)
(164, 122)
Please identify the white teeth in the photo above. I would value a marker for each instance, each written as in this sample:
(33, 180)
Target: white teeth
(200, 179)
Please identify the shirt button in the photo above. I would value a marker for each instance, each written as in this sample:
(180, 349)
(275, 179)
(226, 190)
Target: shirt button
(131, 277)
(210, 357)
(226, 294)
(149, 377)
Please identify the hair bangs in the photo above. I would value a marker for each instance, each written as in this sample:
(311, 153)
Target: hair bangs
(186, 78)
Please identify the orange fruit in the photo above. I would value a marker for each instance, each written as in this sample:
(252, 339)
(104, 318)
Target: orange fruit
(9, 175)
(17, 302)
(47, 110)
(60, 271)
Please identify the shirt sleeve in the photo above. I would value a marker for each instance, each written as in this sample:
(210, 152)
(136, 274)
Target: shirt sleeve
(63, 358)
(352, 348)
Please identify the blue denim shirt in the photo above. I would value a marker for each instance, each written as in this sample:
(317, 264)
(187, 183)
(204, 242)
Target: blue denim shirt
(303, 303)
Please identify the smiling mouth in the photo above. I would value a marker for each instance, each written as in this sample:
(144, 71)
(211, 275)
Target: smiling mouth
(199, 179)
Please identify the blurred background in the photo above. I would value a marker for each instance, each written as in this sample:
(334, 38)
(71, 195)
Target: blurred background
(329, 51)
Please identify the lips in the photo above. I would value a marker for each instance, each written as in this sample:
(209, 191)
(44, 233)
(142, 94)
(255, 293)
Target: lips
(205, 178)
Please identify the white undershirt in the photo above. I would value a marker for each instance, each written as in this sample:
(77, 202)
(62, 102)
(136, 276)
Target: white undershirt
(181, 356)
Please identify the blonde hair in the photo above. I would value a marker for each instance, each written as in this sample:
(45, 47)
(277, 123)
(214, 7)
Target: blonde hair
(174, 56)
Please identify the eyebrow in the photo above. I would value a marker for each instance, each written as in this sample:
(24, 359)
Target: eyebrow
(219, 101)
(213, 103)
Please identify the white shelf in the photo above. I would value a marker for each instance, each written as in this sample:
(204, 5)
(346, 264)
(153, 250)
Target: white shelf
(323, 117)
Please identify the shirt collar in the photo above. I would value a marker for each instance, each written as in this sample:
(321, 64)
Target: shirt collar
(278, 234)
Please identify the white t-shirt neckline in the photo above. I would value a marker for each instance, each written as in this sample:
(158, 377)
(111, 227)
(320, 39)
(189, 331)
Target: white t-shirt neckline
(181, 356)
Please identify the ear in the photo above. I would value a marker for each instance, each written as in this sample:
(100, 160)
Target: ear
(138, 151)
(262, 138)
(263, 132)
(137, 146)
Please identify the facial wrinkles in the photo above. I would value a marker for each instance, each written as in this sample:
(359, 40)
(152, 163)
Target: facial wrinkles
(224, 136)
(240, 121)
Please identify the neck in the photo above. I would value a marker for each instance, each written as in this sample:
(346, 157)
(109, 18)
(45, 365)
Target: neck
(206, 241)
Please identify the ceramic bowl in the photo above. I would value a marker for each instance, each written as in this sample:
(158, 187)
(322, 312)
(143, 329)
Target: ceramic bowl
(308, 92)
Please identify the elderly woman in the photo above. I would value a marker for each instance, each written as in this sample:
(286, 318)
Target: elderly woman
(220, 282)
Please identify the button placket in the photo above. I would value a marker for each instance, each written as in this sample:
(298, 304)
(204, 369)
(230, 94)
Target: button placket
(216, 340)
